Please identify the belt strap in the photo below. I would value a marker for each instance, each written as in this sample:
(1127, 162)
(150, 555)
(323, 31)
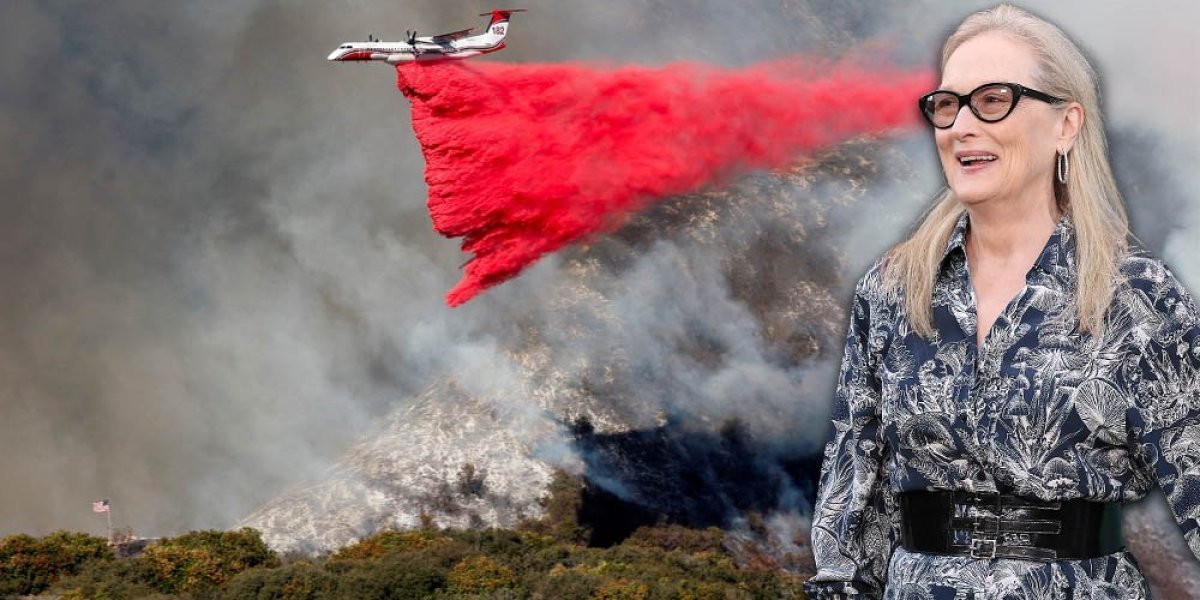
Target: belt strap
(1006, 526)
(984, 524)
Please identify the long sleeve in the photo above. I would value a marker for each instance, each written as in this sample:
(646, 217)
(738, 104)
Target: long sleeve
(1164, 419)
(852, 538)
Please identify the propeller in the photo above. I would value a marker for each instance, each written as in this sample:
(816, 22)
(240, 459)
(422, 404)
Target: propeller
(412, 38)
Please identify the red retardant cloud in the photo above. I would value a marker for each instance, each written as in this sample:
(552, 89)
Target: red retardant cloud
(522, 160)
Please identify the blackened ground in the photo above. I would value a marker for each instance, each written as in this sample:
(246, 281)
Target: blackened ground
(681, 475)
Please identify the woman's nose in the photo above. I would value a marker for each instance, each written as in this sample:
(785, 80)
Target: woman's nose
(965, 120)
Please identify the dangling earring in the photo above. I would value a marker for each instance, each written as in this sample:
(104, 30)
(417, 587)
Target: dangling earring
(1064, 167)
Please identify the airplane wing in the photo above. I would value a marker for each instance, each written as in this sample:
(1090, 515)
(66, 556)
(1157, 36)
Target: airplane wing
(450, 37)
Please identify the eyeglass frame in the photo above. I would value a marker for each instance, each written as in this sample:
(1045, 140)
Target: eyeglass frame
(1017, 89)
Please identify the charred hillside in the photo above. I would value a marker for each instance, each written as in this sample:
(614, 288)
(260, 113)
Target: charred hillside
(673, 475)
(681, 366)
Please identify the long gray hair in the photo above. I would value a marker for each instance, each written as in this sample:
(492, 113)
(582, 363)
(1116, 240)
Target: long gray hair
(1090, 195)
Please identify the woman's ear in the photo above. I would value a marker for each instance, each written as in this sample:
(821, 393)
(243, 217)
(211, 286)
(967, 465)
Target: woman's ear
(1069, 126)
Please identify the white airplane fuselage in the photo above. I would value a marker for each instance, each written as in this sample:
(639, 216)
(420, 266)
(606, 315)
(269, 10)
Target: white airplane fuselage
(454, 46)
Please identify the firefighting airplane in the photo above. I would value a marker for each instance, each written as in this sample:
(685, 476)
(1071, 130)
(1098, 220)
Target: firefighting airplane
(448, 46)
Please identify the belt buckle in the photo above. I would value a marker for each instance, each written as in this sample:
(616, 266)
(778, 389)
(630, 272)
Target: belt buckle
(978, 543)
(983, 542)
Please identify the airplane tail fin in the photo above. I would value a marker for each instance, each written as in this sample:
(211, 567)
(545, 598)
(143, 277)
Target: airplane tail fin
(498, 26)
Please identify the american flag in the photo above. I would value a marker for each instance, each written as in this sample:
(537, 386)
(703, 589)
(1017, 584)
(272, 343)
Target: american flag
(101, 506)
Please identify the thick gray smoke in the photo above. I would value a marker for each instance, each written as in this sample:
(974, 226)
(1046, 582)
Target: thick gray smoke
(218, 271)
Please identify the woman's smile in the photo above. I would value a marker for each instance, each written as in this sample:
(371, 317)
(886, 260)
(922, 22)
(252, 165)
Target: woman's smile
(975, 161)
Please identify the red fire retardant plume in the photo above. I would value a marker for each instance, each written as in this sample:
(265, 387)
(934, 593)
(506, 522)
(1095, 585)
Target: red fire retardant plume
(522, 160)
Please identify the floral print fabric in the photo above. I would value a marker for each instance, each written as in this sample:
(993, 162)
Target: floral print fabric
(1040, 410)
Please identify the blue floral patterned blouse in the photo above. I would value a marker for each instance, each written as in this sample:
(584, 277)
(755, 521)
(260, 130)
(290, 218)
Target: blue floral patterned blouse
(1039, 409)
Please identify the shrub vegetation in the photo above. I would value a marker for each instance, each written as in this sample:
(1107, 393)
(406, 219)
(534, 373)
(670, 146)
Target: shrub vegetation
(28, 565)
(543, 559)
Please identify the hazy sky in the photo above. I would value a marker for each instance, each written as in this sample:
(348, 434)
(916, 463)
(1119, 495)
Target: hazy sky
(216, 269)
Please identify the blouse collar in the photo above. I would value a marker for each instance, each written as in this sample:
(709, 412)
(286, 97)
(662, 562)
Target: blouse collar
(1057, 257)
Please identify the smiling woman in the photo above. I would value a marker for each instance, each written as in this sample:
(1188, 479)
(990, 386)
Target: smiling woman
(1017, 369)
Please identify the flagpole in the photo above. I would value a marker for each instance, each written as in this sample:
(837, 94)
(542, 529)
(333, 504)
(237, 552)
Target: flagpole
(103, 506)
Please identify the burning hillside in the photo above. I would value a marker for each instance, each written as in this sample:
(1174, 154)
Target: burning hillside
(754, 285)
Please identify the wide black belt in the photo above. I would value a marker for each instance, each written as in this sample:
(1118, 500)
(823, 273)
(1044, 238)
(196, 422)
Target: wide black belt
(1005, 526)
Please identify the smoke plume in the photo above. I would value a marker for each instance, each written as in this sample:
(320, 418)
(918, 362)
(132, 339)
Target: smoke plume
(525, 159)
